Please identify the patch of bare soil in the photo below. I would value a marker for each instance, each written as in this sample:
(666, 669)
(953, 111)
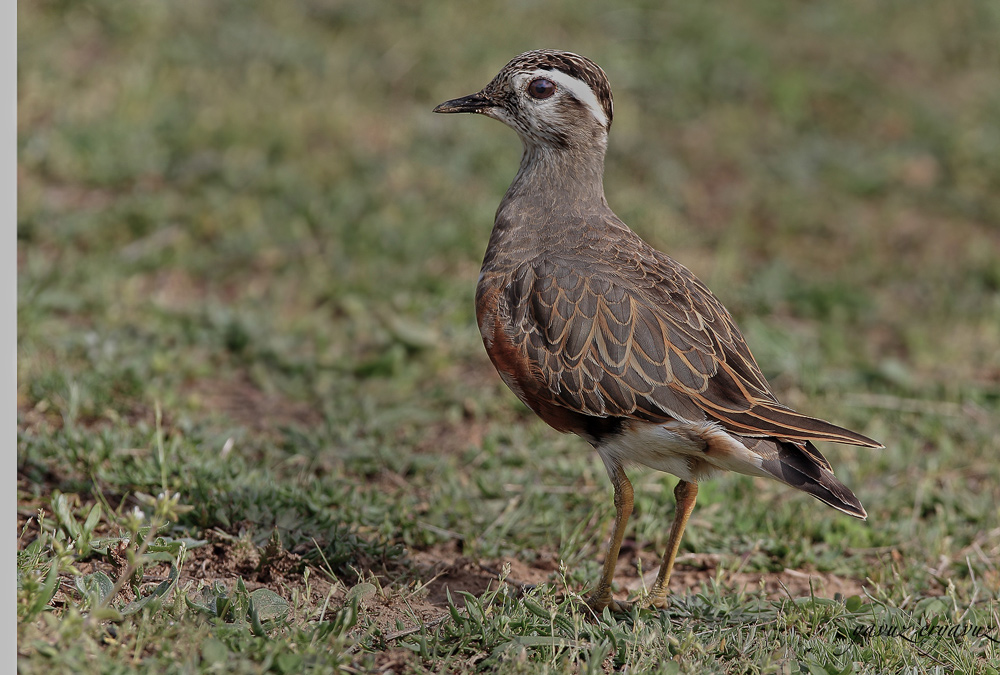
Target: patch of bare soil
(444, 570)
(226, 557)
(439, 571)
(415, 591)
(453, 438)
(693, 569)
(243, 402)
(35, 416)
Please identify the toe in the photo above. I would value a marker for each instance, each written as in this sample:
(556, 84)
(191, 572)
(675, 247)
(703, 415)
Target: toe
(598, 603)
(620, 607)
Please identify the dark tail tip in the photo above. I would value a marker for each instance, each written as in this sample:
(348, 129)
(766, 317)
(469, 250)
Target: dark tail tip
(797, 468)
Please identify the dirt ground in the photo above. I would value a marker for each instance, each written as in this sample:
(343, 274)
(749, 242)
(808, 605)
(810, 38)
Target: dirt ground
(430, 574)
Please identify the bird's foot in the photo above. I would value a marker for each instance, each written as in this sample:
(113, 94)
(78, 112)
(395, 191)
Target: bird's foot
(657, 596)
(657, 601)
(599, 602)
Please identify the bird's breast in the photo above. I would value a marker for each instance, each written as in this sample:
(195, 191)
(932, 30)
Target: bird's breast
(493, 319)
(514, 366)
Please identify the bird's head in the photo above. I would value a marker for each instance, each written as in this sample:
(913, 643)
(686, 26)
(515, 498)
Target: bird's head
(552, 99)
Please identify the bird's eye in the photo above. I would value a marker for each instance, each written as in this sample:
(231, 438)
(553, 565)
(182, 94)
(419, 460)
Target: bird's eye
(541, 88)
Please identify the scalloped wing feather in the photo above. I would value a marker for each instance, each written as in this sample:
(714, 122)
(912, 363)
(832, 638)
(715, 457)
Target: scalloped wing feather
(655, 346)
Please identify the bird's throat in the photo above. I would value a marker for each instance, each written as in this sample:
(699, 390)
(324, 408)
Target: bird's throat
(558, 178)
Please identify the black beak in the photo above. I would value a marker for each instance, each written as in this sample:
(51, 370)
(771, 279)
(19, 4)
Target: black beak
(467, 104)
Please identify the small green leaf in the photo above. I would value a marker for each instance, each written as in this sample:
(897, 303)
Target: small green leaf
(171, 546)
(453, 610)
(670, 667)
(345, 618)
(138, 604)
(159, 592)
(101, 545)
(361, 591)
(199, 607)
(256, 626)
(269, 605)
(107, 614)
(93, 519)
(60, 506)
(48, 590)
(223, 607)
(146, 532)
(98, 585)
(536, 609)
(214, 651)
(288, 662)
(853, 603)
(160, 556)
(545, 641)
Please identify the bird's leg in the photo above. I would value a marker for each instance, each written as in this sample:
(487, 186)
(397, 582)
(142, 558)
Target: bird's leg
(685, 493)
(601, 596)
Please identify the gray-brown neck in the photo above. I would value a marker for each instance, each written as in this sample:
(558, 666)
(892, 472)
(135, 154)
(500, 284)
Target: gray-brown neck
(556, 182)
(557, 195)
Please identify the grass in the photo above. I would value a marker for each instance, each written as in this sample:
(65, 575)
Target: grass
(257, 431)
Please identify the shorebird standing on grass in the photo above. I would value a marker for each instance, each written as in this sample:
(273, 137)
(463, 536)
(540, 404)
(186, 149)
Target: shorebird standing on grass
(603, 336)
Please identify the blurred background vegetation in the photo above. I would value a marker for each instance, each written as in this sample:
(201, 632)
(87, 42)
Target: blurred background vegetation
(244, 213)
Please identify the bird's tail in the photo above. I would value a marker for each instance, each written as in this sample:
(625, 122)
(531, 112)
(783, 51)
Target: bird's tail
(800, 465)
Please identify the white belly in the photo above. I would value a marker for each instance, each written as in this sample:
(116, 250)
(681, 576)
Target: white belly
(692, 451)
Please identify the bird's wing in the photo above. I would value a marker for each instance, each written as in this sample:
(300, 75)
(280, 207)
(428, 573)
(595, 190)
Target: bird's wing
(654, 347)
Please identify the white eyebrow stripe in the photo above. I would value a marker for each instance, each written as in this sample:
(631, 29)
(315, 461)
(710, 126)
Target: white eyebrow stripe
(580, 90)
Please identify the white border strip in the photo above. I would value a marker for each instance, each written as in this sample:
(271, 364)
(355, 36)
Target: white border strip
(580, 90)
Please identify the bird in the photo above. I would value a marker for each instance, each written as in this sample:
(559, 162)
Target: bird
(604, 336)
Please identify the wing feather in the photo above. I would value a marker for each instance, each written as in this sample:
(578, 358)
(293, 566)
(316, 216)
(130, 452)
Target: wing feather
(656, 347)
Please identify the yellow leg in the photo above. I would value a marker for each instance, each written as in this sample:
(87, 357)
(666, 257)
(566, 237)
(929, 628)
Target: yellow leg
(685, 493)
(601, 597)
